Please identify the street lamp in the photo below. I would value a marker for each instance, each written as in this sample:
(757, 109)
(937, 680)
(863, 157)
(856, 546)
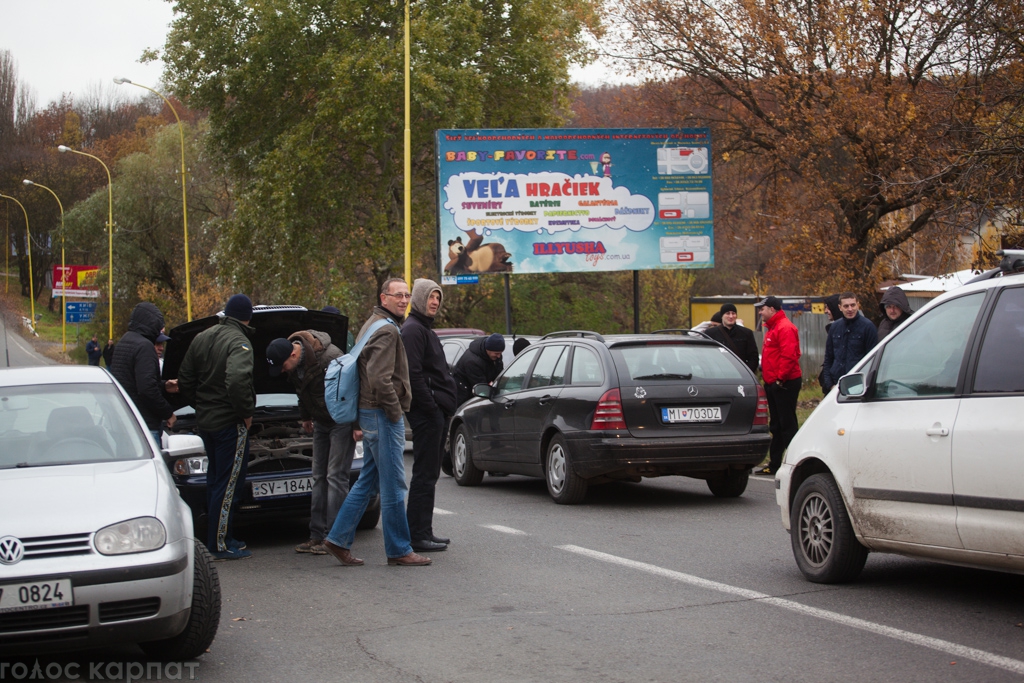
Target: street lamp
(110, 236)
(184, 205)
(63, 271)
(28, 248)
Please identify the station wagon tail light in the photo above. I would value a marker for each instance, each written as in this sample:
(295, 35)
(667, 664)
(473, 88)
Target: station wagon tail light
(609, 412)
(138, 535)
(761, 413)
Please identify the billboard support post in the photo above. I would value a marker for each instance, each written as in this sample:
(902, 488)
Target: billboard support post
(636, 302)
(508, 305)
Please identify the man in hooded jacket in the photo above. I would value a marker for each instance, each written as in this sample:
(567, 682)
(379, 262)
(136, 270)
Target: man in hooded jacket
(136, 367)
(304, 357)
(895, 309)
(433, 402)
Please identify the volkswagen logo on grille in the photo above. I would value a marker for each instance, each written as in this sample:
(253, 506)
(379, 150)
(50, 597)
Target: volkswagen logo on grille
(11, 550)
(691, 390)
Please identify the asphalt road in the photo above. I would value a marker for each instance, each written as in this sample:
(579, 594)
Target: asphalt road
(15, 351)
(658, 581)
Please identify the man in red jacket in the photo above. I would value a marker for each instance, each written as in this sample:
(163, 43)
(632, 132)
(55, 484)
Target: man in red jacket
(780, 369)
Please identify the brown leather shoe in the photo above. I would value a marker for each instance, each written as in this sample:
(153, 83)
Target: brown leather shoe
(410, 560)
(343, 555)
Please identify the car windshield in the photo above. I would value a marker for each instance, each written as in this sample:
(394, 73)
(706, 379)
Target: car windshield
(680, 362)
(58, 424)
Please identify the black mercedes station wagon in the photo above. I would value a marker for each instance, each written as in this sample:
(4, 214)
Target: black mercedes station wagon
(578, 408)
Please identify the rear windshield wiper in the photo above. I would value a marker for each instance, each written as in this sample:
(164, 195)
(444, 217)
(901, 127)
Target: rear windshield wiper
(665, 375)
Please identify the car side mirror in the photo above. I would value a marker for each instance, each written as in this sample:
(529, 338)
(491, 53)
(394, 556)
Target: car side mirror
(182, 446)
(852, 385)
(483, 390)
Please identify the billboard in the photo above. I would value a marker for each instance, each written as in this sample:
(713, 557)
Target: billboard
(75, 277)
(570, 200)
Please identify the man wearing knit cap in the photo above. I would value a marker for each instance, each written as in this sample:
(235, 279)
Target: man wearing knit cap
(736, 338)
(216, 378)
(433, 402)
(480, 364)
(384, 395)
(304, 357)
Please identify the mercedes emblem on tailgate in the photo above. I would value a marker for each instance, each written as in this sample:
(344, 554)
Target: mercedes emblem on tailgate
(691, 390)
(11, 550)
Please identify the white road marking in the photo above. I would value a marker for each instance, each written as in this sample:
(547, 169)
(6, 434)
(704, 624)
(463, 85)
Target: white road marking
(439, 511)
(505, 529)
(1013, 665)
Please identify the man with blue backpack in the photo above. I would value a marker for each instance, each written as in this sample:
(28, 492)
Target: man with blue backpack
(385, 396)
(304, 357)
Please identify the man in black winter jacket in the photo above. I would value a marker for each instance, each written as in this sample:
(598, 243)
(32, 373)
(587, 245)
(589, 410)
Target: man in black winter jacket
(849, 339)
(433, 402)
(736, 338)
(136, 366)
(480, 364)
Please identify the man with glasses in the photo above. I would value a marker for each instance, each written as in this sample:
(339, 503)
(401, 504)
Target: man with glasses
(385, 395)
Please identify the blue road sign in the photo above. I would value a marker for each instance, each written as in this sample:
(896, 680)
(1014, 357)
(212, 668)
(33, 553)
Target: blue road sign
(80, 311)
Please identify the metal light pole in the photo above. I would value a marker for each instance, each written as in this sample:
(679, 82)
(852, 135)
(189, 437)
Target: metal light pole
(63, 271)
(110, 236)
(408, 160)
(184, 203)
(28, 248)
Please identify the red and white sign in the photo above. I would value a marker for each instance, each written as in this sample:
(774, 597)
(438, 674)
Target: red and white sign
(75, 278)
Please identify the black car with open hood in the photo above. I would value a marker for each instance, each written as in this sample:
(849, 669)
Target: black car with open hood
(280, 477)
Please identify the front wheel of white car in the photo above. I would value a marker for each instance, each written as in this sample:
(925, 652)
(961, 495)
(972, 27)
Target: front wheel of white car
(824, 545)
(203, 619)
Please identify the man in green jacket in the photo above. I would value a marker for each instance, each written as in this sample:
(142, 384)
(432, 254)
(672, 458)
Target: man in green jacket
(216, 378)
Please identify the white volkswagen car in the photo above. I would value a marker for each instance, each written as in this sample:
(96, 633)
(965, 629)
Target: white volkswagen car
(96, 545)
(920, 449)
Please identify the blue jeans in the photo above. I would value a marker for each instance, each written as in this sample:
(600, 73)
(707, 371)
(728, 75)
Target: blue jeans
(383, 472)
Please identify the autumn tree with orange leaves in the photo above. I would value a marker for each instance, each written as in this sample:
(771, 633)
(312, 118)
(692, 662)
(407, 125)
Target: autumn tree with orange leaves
(865, 124)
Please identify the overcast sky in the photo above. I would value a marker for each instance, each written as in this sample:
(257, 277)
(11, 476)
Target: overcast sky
(73, 46)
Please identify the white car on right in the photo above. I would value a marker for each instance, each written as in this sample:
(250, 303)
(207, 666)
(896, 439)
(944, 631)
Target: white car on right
(920, 449)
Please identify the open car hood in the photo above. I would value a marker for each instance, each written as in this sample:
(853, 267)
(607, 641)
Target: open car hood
(269, 323)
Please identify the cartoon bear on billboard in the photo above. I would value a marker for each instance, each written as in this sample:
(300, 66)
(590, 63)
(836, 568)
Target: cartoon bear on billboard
(476, 257)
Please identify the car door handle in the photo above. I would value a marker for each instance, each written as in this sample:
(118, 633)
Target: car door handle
(509, 403)
(937, 431)
(545, 399)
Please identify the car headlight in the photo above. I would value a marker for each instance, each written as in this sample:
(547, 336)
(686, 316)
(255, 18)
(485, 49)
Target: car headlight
(194, 465)
(138, 535)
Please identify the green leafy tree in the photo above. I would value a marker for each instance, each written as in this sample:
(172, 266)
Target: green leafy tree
(149, 258)
(305, 99)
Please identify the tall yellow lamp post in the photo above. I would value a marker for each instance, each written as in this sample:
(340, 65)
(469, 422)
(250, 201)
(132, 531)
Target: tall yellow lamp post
(408, 160)
(63, 271)
(184, 203)
(110, 236)
(28, 248)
